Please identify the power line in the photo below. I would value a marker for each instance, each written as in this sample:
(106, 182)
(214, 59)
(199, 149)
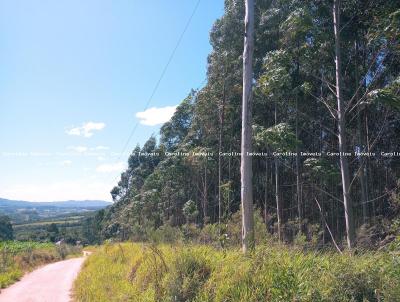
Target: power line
(160, 78)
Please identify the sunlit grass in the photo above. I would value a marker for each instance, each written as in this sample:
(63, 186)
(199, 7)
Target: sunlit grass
(137, 272)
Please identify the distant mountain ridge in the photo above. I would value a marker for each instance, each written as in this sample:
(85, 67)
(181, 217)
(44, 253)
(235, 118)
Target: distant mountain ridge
(60, 204)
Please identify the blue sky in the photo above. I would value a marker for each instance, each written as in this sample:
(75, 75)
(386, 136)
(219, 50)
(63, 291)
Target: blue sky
(75, 76)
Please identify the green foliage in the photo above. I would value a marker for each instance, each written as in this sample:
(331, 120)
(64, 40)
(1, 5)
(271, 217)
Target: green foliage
(389, 95)
(209, 234)
(16, 247)
(175, 131)
(53, 231)
(166, 234)
(321, 167)
(279, 137)
(6, 229)
(297, 24)
(227, 234)
(190, 210)
(276, 76)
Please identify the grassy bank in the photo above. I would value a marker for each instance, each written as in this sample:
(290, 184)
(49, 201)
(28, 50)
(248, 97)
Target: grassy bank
(136, 272)
(16, 258)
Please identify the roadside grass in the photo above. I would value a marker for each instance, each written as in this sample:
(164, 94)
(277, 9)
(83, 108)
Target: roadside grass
(16, 258)
(145, 272)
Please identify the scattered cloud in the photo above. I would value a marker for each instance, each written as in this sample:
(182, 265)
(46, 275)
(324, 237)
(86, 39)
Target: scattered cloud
(79, 149)
(101, 148)
(107, 168)
(155, 116)
(83, 149)
(86, 130)
(101, 158)
(66, 163)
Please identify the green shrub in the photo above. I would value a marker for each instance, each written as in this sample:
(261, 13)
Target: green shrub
(186, 276)
(209, 234)
(190, 232)
(166, 234)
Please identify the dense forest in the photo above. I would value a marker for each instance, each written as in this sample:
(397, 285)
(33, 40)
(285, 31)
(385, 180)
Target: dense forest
(191, 174)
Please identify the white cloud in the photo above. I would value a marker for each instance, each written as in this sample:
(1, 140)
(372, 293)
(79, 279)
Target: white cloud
(101, 148)
(101, 158)
(83, 149)
(66, 163)
(155, 116)
(79, 149)
(86, 130)
(107, 168)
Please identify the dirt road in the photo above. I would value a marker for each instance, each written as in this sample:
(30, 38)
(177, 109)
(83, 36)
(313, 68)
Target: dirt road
(50, 283)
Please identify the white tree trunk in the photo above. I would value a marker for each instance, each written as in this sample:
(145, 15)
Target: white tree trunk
(278, 200)
(344, 166)
(277, 190)
(246, 143)
(220, 139)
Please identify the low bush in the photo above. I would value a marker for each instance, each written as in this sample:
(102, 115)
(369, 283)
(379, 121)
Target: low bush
(186, 276)
(166, 234)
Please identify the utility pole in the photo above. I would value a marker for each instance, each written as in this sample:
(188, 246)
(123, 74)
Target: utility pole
(246, 172)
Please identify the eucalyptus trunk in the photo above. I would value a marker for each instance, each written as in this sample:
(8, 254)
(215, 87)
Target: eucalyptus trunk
(246, 142)
(341, 119)
(298, 175)
(220, 140)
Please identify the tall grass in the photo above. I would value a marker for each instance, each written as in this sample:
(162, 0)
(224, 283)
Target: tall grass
(138, 272)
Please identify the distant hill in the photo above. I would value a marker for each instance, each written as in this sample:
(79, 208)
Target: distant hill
(21, 211)
(59, 204)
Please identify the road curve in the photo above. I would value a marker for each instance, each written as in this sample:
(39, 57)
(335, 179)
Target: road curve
(50, 283)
